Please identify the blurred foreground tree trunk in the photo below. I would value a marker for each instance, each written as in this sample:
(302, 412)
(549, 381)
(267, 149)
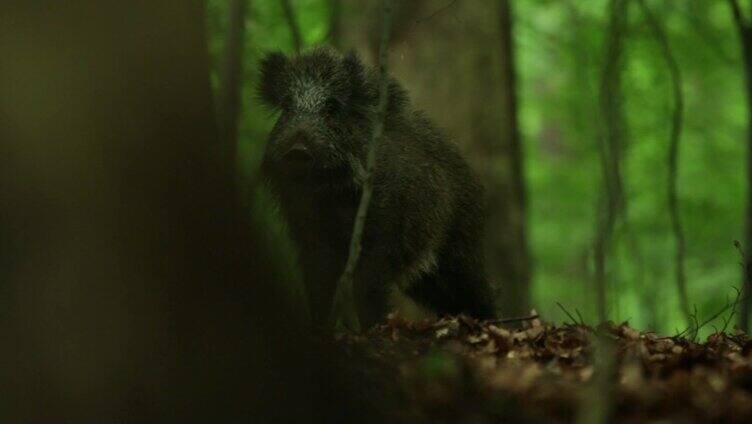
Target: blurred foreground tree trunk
(231, 85)
(744, 26)
(131, 287)
(457, 62)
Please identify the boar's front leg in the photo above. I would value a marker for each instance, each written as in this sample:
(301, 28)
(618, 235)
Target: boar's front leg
(374, 280)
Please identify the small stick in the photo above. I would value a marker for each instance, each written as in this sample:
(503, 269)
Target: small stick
(714, 316)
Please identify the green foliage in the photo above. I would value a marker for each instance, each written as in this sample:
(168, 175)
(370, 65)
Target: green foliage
(559, 55)
(560, 127)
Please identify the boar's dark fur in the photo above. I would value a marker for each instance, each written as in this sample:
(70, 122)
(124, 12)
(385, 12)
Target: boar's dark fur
(424, 225)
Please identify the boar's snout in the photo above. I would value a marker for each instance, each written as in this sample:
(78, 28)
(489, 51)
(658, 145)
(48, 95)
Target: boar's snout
(299, 153)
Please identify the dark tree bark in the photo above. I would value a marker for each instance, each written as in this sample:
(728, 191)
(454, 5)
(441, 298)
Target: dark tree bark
(231, 84)
(610, 147)
(517, 290)
(450, 56)
(744, 27)
(132, 288)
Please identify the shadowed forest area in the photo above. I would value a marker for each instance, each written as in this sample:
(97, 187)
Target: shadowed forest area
(206, 215)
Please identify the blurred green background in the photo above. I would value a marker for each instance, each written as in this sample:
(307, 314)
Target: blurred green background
(558, 53)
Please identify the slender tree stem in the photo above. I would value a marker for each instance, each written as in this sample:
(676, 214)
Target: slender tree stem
(335, 23)
(343, 307)
(292, 22)
(610, 147)
(673, 156)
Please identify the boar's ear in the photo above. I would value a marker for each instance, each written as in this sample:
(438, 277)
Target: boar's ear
(274, 75)
(356, 78)
(364, 85)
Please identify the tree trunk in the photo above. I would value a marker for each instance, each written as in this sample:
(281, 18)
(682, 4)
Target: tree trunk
(745, 37)
(611, 145)
(456, 63)
(517, 298)
(231, 85)
(132, 288)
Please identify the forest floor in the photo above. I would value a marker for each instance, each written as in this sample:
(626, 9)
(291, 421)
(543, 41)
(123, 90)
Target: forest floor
(457, 369)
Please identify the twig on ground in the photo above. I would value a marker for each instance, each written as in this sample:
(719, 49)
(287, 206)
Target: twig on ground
(582, 321)
(697, 326)
(566, 312)
(733, 309)
(515, 319)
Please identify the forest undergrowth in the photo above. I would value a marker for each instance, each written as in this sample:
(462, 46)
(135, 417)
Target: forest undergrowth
(458, 369)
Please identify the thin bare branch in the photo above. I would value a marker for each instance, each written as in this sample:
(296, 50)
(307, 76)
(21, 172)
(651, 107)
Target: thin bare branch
(343, 307)
(437, 12)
